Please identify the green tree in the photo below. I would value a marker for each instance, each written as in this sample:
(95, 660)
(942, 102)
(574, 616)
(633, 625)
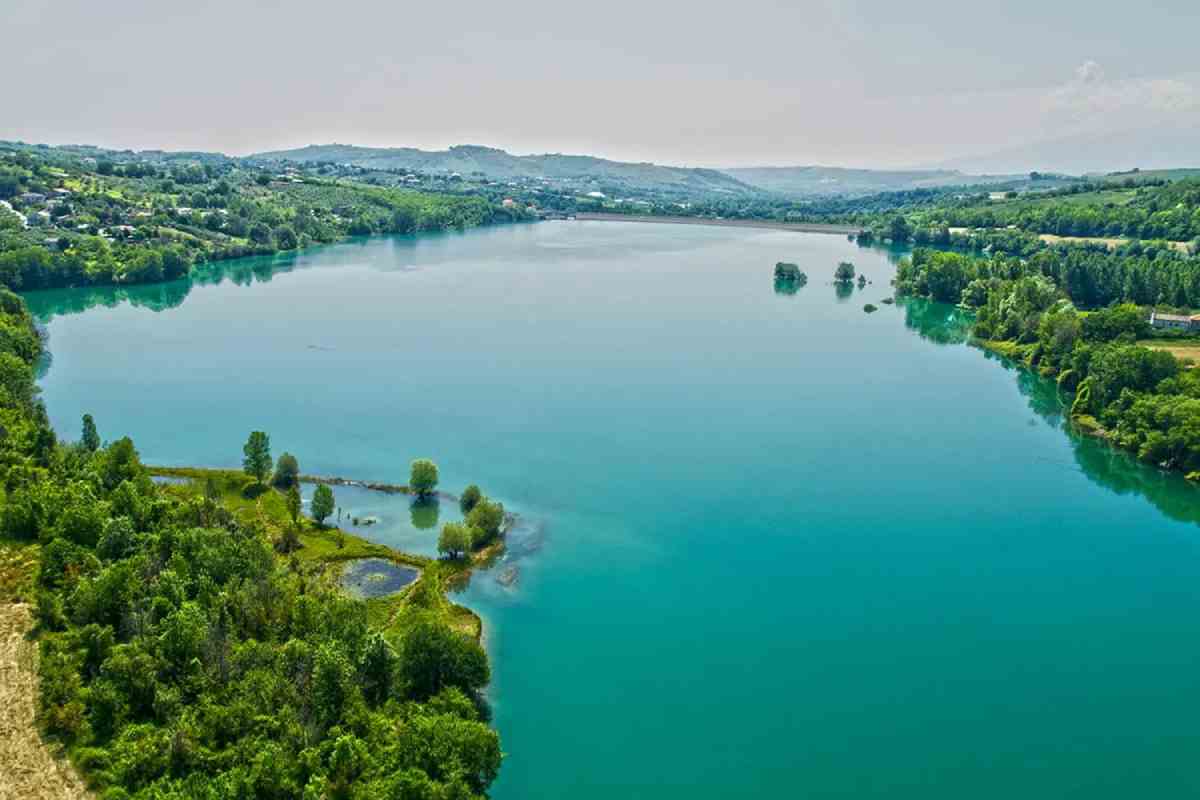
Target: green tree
(90, 438)
(119, 462)
(377, 669)
(486, 519)
(293, 503)
(256, 459)
(899, 230)
(260, 233)
(423, 478)
(183, 635)
(16, 381)
(212, 492)
(322, 503)
(331, 683)
(285, 238)
(287, 471)
(470, 498)
(844, 273)
(434, 657)
(454, 540)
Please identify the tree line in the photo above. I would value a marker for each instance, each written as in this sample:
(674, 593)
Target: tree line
(1138, 397)
(1091, 277)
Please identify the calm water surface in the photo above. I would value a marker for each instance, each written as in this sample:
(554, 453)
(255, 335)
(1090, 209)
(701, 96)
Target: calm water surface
(778, 547)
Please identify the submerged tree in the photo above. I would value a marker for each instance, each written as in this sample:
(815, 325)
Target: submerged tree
(785, 271)
(90, 438)
(257, 456)
(844, 273)
(788, 278)
(322, 503)
(423, 478)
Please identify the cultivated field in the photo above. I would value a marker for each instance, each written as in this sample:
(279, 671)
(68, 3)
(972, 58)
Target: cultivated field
(1180, 348)
(28, 769)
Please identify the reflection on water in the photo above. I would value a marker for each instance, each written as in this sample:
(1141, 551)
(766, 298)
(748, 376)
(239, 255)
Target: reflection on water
(936, 322)
(424, 513)
(49, 303)
(786, 287)
(843, 291)
(1102, 463)
(1116, 470)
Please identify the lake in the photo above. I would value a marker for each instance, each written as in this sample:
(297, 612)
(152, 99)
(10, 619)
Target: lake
(774, 546)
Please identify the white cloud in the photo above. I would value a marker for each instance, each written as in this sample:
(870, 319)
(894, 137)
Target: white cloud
(1089, 72)
(1090, 101)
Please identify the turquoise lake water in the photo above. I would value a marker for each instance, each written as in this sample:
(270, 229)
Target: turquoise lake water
(772, 546)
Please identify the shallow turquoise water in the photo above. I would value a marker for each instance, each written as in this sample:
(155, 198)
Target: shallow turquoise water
(775, 546)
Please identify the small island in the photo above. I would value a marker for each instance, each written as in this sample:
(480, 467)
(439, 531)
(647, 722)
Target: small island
(789, 278)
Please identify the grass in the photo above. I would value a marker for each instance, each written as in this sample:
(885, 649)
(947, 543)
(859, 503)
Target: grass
(1087, 424)
(29, 768)
(1183, 349)
(1007, 349)
(18, 569)
(325, 549)
(1111, 242)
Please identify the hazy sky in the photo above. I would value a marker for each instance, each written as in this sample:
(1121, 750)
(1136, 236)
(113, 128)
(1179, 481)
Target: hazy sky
(866, 83)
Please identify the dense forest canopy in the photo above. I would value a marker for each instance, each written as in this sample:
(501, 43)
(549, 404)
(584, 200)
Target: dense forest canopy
(182, 657)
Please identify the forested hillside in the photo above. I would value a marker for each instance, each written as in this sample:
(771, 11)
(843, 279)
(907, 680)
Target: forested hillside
(1129, 207)
(68, 219)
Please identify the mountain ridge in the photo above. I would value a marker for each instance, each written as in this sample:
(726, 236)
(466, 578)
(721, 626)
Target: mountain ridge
(798, 182)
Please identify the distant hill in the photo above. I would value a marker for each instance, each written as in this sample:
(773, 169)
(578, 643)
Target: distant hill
(794, 182)
(1159, 147)
(818, 181)
(495, 164)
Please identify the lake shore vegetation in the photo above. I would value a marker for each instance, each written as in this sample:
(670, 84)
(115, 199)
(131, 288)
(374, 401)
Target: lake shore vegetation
(168, 622)
(1141, 398)
(69, 219)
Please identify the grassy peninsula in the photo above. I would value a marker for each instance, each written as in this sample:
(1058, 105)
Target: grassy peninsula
(192, 640)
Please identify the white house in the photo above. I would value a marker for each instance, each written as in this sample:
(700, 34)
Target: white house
(1174, 321)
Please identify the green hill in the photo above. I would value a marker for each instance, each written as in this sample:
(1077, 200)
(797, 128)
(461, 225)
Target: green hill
(495, 164)
(816, 181)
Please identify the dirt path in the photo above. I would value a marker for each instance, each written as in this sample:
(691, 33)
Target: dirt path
(28, 770)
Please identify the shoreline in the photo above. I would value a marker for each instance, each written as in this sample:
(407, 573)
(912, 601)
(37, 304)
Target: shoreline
(1079, 424)
(795, 227)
